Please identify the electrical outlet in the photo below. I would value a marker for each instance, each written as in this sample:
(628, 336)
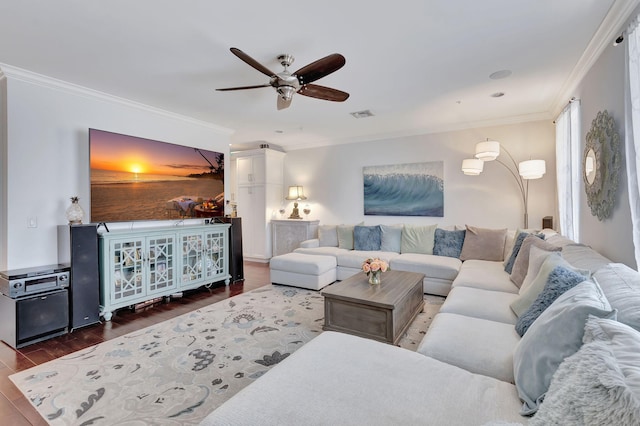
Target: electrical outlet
(32, 222)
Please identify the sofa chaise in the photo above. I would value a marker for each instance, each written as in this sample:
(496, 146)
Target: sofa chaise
(547, 334)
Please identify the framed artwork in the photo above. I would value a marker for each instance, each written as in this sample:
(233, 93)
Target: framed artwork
(413, 189)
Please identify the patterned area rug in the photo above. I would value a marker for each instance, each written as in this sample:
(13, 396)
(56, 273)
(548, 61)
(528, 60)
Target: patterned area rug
(178, 371)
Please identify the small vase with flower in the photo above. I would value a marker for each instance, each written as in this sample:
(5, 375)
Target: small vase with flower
(374, 269)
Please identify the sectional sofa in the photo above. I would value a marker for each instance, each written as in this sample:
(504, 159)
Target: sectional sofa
(549, 333)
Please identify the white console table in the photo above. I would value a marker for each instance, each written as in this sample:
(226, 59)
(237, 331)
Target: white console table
(287, 234)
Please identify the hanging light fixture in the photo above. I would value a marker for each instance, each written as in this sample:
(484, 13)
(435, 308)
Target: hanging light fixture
(472, 166)
(487, 150)
(532, 169)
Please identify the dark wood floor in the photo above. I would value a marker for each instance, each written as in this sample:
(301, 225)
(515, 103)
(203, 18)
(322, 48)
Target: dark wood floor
(16, 410)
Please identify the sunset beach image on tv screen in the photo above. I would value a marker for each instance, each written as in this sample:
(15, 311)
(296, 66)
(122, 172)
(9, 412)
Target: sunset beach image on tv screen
(141, 179)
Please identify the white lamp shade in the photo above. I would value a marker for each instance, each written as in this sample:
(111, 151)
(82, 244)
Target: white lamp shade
(532, 169)
(487, 150)
(472, 166)
(296, 192)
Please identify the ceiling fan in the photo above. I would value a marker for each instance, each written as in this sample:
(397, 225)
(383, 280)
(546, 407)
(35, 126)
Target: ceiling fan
(286, 83)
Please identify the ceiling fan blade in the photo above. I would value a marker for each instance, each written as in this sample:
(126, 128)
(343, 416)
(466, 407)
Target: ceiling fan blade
(321, 92)
(243, 87)
(283, 103)
(320, 68)
(249, 60)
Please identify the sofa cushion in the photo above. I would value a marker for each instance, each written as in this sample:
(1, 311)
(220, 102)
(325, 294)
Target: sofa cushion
(485, 275)
(339, 379)
(530, 293)
(328, 236)
(555, 335)
(345, 236)
(521, 264)
(418, 239)
(302, 263)
(430, 265)
(584, 257)
(323, 251)
(483, 244)
(354, 258)
(599, 384)
(559, 281)
(391, 237)
(621, 285)
(448, 243)
(477, 345)
(478, 303)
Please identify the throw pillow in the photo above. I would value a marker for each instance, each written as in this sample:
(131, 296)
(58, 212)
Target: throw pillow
(391, 238)
(328, 236)
(554, 336)
(537, 256)
(621, 285)
(522, 260)
(559, 281)
(448, 243)
(600, 383)
(345, 236)
(508, 247)
(529, 294)
(483, 244)
(508, 267)
(418, 239)
(367, 238)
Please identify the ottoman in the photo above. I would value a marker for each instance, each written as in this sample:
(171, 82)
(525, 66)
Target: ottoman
(303, 270)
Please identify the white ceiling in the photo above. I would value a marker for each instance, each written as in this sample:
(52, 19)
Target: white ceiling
(420, 66)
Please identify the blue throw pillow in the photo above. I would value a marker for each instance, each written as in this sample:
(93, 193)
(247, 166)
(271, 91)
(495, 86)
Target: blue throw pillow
(448, 243)
(560, 280)
(516, 249)
(367, 238)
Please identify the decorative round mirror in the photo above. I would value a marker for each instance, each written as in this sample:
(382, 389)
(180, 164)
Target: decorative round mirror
(601, 163)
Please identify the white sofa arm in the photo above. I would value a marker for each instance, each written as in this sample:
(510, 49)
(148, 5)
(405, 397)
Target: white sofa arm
(313, 243)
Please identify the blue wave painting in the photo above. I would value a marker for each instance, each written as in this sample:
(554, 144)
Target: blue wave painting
(414, 189)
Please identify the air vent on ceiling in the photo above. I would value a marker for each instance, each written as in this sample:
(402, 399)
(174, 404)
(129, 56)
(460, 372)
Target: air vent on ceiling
(362, 114)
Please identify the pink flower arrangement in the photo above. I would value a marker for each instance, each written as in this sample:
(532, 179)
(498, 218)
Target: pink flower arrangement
(373, 265)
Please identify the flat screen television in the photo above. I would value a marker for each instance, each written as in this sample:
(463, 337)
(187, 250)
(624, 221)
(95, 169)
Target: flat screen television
(134, 179)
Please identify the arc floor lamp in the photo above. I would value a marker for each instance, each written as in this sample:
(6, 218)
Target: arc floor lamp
(522, 172)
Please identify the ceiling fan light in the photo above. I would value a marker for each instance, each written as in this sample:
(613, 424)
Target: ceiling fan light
(532, 169)
(286, 92)
(487, 150)
(472, 166)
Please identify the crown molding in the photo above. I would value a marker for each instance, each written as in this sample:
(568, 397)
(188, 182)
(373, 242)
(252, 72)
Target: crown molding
(8, 71)
(611, 27)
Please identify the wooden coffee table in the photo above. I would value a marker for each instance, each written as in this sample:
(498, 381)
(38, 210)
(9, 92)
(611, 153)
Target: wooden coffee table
(381, 312)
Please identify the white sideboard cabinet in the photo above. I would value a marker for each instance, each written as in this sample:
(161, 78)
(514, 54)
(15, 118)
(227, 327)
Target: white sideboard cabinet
(289, 233)
(144, 264)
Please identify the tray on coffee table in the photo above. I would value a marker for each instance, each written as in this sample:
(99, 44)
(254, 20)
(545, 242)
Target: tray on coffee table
(381, 312)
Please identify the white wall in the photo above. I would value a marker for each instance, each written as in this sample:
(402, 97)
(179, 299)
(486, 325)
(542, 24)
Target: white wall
(332, 177)
(603, 89)
(48, 156)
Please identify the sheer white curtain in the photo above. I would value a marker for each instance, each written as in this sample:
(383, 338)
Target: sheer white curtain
(632, 128)
(568, 169)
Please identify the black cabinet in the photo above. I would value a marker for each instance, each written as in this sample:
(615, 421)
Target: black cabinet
(78, 246)
(236, 266)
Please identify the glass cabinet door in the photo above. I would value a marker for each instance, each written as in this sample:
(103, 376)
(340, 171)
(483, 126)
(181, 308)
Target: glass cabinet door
(127, 269)
(161, 263)
(214, 253)
(192, 268)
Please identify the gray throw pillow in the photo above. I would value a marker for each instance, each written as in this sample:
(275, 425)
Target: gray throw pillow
(508, 267)
(418, 239)
(559, 281)
(554, 336)
(391, 238)
(483, 244)
(367, 238)
(599, 384)
(327, 236)
(345, 236)
(448, 243)
(521, 264)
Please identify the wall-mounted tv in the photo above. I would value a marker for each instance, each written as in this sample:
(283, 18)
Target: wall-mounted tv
(136, 179)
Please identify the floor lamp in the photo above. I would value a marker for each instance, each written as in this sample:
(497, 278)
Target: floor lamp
(522, 172)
